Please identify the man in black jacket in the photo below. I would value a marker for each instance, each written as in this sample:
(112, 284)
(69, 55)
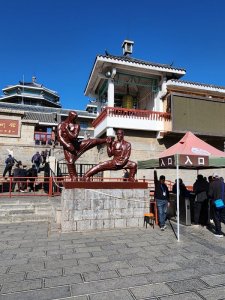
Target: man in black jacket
(9, 164)
(217, 191)
(161, 198)
(200, 188)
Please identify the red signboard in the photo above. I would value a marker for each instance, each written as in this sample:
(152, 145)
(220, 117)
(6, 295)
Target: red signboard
(9, 127)
(194, 160)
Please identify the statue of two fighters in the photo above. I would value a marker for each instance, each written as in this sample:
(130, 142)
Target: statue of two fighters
(120, 150)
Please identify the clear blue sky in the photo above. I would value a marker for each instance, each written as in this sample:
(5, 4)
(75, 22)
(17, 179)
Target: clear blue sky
(58, 40)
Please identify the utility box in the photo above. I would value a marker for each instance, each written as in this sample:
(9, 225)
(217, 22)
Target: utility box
(184, 208)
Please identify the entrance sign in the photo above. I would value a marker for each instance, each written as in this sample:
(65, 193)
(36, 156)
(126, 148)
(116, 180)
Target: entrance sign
(193, 161)
(168, 161)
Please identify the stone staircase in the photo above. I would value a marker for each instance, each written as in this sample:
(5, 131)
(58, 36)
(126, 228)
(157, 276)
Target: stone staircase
(22, 209)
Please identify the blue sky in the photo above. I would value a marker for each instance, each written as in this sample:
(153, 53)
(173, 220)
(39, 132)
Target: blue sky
(57, 41)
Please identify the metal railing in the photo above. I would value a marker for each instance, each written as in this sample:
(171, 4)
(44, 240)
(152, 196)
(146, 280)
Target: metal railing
(52, 186)
(80, 168)
(130, 113)
(30, 186)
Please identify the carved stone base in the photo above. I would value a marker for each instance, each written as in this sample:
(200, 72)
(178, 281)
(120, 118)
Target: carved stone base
(92, 208)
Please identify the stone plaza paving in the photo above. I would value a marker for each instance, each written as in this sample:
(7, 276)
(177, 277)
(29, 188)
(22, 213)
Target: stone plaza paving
(138, 263)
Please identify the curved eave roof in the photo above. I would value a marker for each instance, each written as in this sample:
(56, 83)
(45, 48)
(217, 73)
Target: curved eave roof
(133, 62)
(196, 85)
(42, 109)
(39, 87)
(39, 97)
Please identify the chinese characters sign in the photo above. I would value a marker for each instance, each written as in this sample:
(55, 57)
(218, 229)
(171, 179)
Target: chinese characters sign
(184, 161)
(9, 127)
(194, 160)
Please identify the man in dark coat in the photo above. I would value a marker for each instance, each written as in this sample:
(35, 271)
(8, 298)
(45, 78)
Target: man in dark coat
(37, 160)
(217, 191)
(32, 174)
(200, 188)
(9, 164)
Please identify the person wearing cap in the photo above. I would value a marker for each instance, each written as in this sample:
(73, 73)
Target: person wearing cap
(162, 198)
(217, 191)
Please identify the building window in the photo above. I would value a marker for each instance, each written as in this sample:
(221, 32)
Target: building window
(83, 125)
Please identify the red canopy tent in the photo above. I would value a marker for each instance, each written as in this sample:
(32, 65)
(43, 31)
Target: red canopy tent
(192, 145)
(189, 152)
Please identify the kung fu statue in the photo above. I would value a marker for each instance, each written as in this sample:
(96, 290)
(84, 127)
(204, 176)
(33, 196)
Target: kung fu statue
(121, 151)
(67, 134)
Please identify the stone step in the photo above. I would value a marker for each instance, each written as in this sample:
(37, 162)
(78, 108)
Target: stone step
(16, 206)
(21, 212)
(22, 201)
(43, 211)
(4, 212)
(24, 218)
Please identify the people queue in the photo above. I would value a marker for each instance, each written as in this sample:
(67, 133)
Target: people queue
(21, 174)
(208, 195)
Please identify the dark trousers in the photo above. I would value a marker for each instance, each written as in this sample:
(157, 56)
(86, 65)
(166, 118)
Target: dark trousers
(31, 185)
(7, 169)
(201, 212)
(218, 217)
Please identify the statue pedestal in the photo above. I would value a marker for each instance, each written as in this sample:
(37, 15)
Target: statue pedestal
(103, 205)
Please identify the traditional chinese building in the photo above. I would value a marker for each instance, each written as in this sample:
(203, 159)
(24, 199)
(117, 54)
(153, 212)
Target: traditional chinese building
(29, 114)
(152, 103)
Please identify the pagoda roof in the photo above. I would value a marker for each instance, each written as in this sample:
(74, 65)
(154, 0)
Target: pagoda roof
(30, 85)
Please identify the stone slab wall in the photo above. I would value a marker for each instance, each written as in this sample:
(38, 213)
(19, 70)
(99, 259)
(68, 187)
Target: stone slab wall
(84, 209)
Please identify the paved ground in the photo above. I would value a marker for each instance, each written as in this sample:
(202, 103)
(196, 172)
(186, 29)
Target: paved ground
(118, 264)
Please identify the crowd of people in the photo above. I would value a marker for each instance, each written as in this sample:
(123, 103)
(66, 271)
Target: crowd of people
(23, 177)
(208, 195)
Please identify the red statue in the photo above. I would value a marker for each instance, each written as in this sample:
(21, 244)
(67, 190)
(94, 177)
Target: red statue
(121, 150)
(67, 134)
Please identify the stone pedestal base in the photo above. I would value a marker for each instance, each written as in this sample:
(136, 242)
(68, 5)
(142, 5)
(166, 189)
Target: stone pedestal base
(91, 209)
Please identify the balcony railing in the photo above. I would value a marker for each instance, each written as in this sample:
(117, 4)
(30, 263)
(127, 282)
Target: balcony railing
(130, 113)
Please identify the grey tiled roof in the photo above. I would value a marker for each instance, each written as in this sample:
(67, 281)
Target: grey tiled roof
(142, 62)
(43, 118)
(41, 113)
(197, 84)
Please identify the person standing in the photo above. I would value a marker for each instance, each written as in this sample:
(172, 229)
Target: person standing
(32, 174)
(182, 194)
(216, 192)
(17, 177)
(9, 164)
(23, 182)
(44, 155)
(200, 189)
(161, 198)
(36, 159)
